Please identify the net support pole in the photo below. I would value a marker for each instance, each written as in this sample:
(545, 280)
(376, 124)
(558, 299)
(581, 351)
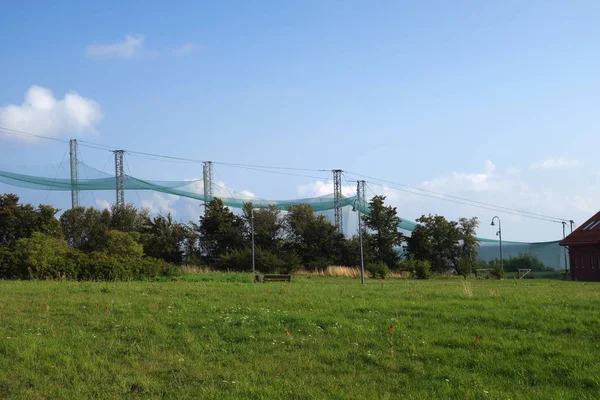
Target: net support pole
(360, 193)
(360, 188)
(207, 176)
(337, 199)
(74, 163)
(120, 177)
(564, 249)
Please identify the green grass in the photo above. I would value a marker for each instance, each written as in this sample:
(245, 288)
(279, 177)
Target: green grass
(220, 336)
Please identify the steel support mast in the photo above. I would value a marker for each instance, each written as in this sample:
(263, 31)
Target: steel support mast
(360, 193)
(207, 176)
(337, 199)
(74, 162)
(120, 177)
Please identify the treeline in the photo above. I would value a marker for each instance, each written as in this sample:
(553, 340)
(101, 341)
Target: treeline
(85, 244)
(127, 243)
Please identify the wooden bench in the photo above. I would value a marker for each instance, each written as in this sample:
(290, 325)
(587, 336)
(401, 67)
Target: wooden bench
(277, 278)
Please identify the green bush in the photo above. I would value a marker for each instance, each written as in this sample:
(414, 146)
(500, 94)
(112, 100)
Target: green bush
(292, 262)
(241, 261)
(497, 271)
(466, 266)
(378, 270)
(45, 257)
(123, 244)
(422, 269)
(42, 257)
(318, 265)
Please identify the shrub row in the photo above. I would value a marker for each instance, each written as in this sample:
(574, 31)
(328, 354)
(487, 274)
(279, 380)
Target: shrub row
(45, 257)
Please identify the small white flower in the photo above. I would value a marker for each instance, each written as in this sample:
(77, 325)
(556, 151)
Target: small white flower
(181, 359)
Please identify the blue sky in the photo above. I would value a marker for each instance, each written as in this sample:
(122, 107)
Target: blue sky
(494, 101)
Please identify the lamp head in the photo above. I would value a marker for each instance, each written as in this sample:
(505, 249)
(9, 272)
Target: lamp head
(493, 223)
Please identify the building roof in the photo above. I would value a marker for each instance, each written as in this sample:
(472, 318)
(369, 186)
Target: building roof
(588, 233)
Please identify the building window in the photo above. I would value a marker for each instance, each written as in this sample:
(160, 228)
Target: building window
(589, 226)
(582, 266)
(591, 262)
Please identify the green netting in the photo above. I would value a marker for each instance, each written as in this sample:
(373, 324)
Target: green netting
(549, 252)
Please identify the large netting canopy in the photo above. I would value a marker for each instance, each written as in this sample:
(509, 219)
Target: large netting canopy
(550, 253)
(91, 179)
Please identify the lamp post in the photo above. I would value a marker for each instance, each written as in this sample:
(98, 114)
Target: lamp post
(252, 228)
(564, 225)
(362, 260)
(499, 234)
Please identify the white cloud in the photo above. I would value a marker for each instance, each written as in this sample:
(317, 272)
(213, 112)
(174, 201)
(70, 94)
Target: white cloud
(196, 185)
(323, 188)
(42, 113)
(161, 204)
(185, 49)
(489, 167)
(221, 190)
(585, 204)
(103, 204)
(552, 164)
(246, 194)
(132, 46)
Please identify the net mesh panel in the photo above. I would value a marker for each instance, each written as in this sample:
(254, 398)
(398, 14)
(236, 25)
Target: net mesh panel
(46, 178)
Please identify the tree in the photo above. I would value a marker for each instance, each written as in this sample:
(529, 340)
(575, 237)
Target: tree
(85, 228)
(268, 227)
(444, 243)
(383, 235)
(466, 260)
(351, 252)
(127, 218)
(220, 231)
(312, 237)
(22, 220)
(165, 239)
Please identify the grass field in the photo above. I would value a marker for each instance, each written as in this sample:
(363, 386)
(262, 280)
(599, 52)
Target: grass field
(220, 336)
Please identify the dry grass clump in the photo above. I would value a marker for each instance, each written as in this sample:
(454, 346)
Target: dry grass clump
(341, 271)
(338, 271)
(467, 289)
(194, 269)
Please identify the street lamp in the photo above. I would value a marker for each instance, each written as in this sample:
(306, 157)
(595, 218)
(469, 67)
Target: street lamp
(499, 234)
(362, 260)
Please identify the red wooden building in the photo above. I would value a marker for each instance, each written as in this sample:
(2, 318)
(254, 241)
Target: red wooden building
(584, 250)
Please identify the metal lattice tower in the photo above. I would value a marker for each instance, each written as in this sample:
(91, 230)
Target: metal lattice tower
(120, 177)
(337, 199)
(360, 193)
(74, 162)
(207, 174)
